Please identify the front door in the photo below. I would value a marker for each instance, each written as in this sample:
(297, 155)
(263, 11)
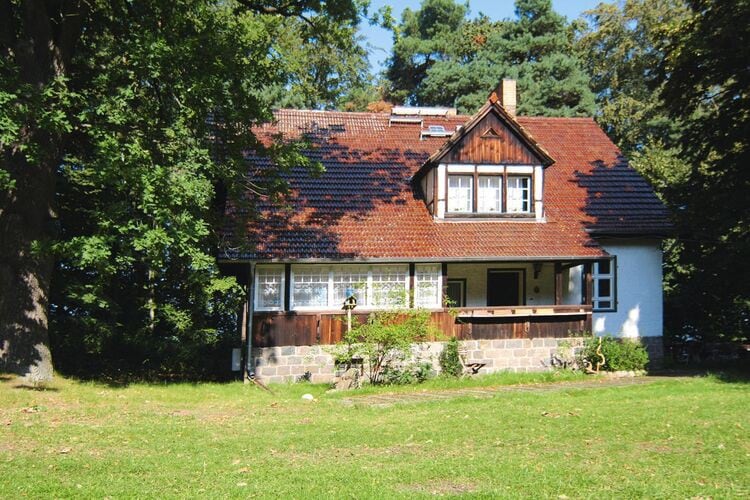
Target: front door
(504, 288)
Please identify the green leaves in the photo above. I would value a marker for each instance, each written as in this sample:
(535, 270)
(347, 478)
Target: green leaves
(442, 58)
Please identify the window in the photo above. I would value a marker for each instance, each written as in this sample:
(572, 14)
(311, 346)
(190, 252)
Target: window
(269, 288)
(518, 194)
(389, 285)
(427, 285)
(353, 277)
(490, 195)
(460, 193)
(604, 285)
(310, 287)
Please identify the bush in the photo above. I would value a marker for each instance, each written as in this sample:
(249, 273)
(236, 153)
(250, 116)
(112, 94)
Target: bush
(619, 354)
(411, 374)
(385, 341)
(450, 362)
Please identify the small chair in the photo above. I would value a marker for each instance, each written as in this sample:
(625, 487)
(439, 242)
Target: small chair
(469, 368)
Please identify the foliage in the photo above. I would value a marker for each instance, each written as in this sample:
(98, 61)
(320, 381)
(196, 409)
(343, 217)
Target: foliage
(620, 354)
(385, 340)
(442, 58)
(618, 45)
(707, 87)
(450, 360)
(120, 150)
(408, 373)
(672, 87)
(327, 72)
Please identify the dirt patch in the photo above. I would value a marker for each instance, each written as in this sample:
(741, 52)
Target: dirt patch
(441, 487)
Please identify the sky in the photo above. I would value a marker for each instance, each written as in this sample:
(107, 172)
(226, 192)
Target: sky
(379, 41)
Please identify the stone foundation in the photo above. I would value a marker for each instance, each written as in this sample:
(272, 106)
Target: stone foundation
(292, 363)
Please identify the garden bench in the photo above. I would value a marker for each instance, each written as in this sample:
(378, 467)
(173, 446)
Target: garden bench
(469, 368)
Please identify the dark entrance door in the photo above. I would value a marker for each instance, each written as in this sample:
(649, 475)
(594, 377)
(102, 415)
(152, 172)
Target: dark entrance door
(503, 288)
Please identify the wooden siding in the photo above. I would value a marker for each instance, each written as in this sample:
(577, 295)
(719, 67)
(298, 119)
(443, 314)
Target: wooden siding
(479, 148)
(295, 329)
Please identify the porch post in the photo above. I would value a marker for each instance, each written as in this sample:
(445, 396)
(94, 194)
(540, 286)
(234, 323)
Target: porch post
(558, 283)
(249, 309)
(444, 291)
(287, 287)
(412, 272)
(588, 284)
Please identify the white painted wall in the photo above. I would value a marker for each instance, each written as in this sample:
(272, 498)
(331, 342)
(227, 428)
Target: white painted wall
(639, 290)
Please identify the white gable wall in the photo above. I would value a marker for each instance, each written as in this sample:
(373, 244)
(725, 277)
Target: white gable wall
(639, 290)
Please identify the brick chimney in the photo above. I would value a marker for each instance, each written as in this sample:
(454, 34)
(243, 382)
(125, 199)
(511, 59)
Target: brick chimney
(506, 93)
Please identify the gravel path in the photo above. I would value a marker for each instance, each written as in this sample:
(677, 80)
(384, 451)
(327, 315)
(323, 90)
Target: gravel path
(385, 400)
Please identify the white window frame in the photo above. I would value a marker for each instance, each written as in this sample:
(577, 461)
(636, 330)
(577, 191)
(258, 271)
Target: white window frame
(450, 208)
(256, 286)
(497, 191)
(331, 270)
(597, 276)
(528, 190)
(389, 268)
(299, 269)
(436, 280)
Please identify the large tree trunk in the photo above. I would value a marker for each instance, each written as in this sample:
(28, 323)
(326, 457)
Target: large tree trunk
(37, 37)
(25, 270)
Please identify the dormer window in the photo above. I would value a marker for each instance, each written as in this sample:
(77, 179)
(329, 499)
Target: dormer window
(487, 198)
(460, 193)
(519, 189)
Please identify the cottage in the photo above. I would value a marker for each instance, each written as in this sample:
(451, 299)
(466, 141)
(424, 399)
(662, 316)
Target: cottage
(533, 228)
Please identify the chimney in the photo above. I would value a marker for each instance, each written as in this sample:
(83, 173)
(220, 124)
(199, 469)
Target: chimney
(506, 94)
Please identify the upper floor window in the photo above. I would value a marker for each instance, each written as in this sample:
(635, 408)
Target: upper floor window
(460, 193)
(519, 190)
(488, 197)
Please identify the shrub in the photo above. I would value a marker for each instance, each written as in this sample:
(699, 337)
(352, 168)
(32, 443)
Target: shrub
(414, 373)
(619, 354)
(450, 362)
(385, 340)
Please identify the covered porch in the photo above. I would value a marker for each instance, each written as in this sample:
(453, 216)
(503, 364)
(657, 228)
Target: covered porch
(472, 300)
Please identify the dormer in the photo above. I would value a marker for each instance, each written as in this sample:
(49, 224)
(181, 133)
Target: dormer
(490, 168)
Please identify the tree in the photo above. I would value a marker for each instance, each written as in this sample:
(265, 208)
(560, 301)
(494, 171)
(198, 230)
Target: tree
(707, 87)
(324, 72)
(619, 46)
(441, 58)
(109, 159)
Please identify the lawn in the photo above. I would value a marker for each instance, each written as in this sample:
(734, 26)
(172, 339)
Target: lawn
(671, 438)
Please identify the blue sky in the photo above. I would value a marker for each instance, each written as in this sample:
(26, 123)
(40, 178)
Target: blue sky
(379, 41)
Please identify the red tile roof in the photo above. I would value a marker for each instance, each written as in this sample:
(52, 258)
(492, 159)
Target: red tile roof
(364, 206)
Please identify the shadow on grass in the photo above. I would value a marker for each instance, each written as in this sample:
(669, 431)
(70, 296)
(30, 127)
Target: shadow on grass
(735, 373)
(38, 388)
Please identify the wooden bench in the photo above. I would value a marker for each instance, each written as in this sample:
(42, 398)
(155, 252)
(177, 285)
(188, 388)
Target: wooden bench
(469, 368)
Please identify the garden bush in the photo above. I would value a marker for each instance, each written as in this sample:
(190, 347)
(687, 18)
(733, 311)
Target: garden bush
(450, 362)
(619, 354)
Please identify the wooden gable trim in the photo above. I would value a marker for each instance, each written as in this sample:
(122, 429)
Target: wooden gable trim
(491, 106)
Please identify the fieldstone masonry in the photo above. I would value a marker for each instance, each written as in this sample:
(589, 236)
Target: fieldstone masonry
(292, 363)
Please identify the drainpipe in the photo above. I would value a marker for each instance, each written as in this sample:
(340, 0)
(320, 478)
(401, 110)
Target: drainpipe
(250, 362)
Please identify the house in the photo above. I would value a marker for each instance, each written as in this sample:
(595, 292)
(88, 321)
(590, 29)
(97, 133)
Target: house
(533, 228)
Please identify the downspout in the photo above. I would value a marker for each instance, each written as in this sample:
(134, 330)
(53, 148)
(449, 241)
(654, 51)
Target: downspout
(250, 362)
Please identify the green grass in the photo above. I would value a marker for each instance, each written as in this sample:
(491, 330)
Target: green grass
(673, 438)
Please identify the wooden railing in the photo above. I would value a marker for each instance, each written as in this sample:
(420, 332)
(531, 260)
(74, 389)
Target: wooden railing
(515, 322)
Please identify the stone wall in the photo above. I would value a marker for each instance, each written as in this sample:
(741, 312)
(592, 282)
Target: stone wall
(291, 363)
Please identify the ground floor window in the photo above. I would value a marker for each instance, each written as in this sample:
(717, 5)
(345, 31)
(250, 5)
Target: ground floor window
(604, 276)
(325, 287)
(427, 289)
(269, 288)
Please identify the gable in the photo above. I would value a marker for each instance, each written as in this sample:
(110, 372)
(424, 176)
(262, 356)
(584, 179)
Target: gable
(491, 142)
